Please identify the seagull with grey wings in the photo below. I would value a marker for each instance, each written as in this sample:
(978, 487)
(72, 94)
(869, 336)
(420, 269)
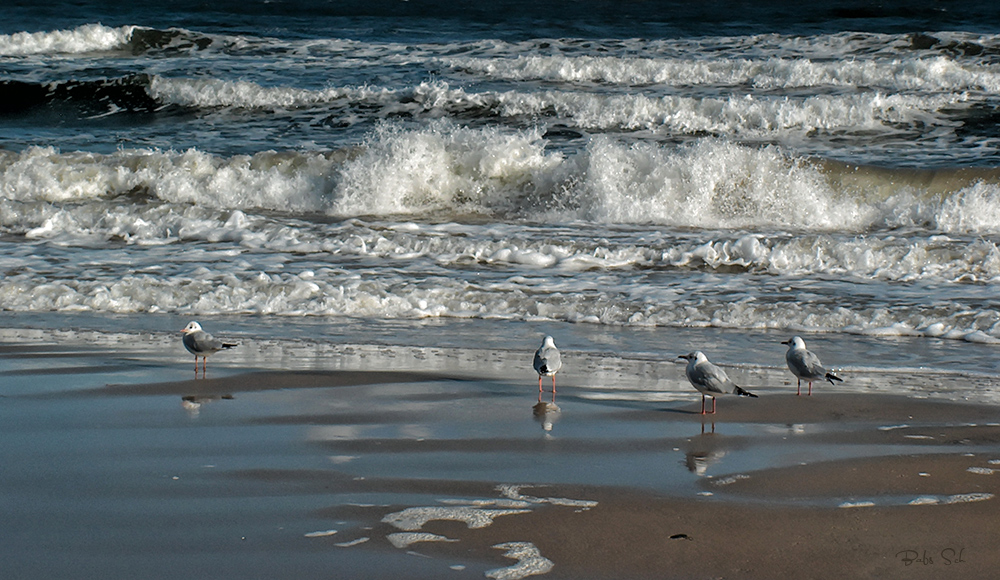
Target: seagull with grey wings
(805, 365)
(710, 380)
(202, 344)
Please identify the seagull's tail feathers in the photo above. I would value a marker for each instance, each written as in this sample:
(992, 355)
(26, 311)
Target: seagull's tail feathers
(832, 377)
(234, 345)
(743, 392)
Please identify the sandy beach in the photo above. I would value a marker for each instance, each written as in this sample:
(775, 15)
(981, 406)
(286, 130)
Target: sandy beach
(117, 463)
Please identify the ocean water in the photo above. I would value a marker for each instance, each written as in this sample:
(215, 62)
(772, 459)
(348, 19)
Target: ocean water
(633, 178)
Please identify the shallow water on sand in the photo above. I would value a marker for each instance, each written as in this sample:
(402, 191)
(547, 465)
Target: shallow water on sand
(103, 457)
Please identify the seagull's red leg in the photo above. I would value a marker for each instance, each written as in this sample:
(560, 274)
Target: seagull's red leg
(713, 405)
(798, 387)
(703, 404)
(553, 388)
(539, 388)
(810, 388)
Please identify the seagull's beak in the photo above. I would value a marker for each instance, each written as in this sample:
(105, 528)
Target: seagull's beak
(786, 342)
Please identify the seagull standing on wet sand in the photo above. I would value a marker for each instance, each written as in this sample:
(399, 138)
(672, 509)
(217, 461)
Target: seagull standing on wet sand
(709, 379)
(805, 365)
(201, 344)
(547, 363)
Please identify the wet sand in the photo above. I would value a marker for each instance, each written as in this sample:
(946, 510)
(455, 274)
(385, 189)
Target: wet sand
(121, 465)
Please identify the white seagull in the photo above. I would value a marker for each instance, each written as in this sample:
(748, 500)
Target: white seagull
(547, 363)
(201, 344)
(805, 365)
(709, 379)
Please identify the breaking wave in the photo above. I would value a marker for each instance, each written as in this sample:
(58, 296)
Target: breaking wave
(444, 170)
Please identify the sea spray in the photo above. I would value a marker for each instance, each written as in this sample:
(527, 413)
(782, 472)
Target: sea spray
(82, 39)
(444, 170)
(449, 169)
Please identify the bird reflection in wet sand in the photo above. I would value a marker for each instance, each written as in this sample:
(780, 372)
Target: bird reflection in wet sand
(698, 462)
(704, 452)
(202, 344)
(546, 414)
(192, 403)
(547, 363)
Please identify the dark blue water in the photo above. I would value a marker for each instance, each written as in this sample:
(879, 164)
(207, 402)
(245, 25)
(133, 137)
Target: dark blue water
(511, 19)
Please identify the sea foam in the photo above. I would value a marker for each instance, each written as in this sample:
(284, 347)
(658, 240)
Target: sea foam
(445, 170)
(915, 74)
(86, 38)
(735, 114)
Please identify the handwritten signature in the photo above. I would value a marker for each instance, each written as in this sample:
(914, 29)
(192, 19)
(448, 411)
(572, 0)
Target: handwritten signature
(947, 556)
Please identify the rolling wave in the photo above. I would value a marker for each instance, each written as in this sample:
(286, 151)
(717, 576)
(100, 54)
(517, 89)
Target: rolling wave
(79, 99)
(739, 115)
(938, 73)
(83, 39)
(446, 170)
(88, 39)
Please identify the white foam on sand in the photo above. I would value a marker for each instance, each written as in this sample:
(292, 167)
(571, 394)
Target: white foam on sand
(967, 498)
(981, 470)
(480, 513)
(530, 562)
(730, 480)
(497, 503)
(405, 539)
(924, 500)
(857, 504)
(414, 518)
(513, 492)
(360, 540)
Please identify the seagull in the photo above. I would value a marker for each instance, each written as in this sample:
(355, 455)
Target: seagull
(201, 344)
(709, 379)
(547, 363)
(805, 365)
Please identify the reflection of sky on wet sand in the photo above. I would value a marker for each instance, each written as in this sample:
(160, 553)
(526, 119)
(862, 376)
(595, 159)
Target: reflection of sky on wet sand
(607, 430)
(490, 431)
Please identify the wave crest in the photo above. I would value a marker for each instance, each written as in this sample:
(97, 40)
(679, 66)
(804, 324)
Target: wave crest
(82, 39)
(445, 172)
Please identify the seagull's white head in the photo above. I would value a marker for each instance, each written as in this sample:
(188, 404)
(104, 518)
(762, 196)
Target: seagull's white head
(549, 342)
(795, 342)
(191, 327)
(694, 357)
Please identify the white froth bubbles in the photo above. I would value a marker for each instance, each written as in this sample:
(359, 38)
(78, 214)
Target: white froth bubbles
(85, 38)
(447, 168)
